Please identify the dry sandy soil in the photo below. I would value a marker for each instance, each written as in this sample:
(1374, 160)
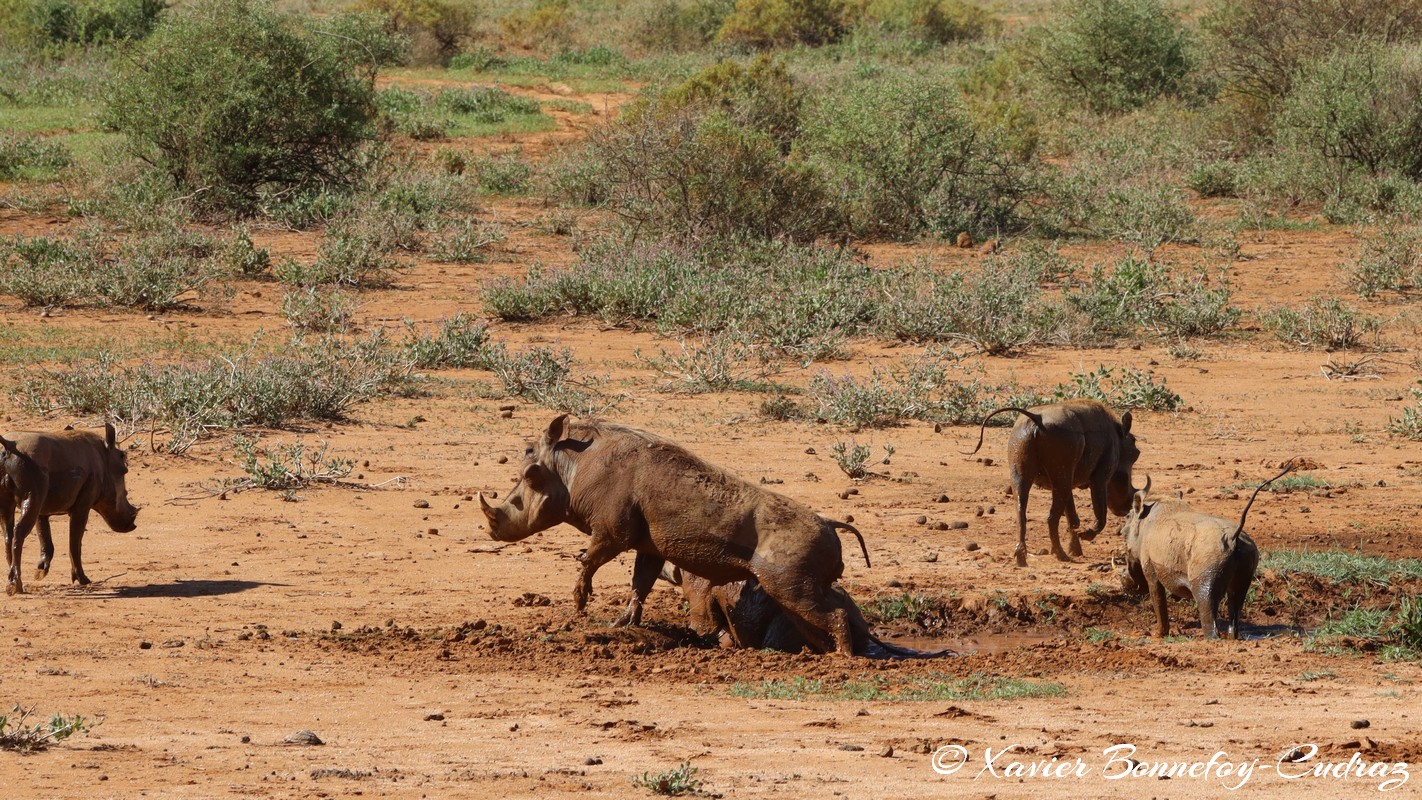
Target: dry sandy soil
(434, 662)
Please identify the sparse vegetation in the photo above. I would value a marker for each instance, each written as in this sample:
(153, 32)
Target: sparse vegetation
(852, 458)
(1133, 389)
(905, 606)
(919, 688)
(670, 783)
(1341, 566)
(16, 735)
(1322, 322)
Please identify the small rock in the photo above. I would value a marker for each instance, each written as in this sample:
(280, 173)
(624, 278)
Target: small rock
(959, 525)
(971, 546)
(506, 414)
(938, 426)
(592, 762)
(929, 558)
(432, 531)
(980, 511)
(939, 526)
(145, 645)
(887, 752)
(508, 407)
(503, 459)
(172, 643)
(920, 520)
(942, 498)
(992, 509)
(304, 738)
(852, 748)
(809, 451)
(844, 495)
(1359, 724)
(894, 583)
(513, 727)
(422, 504)
(434, 718)
(851, 490)
(336, 625)
(246, 740)
(467, 497)
(849, 518)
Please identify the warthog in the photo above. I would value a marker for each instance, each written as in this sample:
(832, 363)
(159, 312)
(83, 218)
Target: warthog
(1172, 548)
(1078, 444)
(741, 614)
(66, 472)
(632, 490)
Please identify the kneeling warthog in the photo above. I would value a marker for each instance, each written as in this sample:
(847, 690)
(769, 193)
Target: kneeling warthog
(632, 490)
(66, 472)
(1077, 444)
(1173, 549)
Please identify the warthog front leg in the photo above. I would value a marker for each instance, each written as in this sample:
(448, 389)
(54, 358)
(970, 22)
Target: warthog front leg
(78, 518)
(1158, 599)
(29, 517)
(598, 553)
(645, 572)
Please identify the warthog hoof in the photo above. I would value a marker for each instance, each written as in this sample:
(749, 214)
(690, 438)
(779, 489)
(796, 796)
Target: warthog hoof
(1021, 554)
(41, 572)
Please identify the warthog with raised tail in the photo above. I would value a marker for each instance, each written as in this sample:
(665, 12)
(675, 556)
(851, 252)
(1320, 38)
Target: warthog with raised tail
(1078, 444)
(633, 490)
(65, 472)
(1172, 549)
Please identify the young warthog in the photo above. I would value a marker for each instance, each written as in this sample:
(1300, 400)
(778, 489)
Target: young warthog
(1172, 548)
(633, 490)
(741, 614)
(66, 472)
(1077, 444)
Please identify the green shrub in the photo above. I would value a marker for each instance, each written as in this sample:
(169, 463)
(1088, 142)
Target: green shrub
(1214, 179)
(56, 24)
(507, 174)
(461, 342)
(465, 242)
(931, 21)
(232, 99)
(548, 25)
(1140, 293)
(1322, 322)
(723, 361)
(1134, 389)
(1259, 46)
(911, 161)
(676, 26)
(1360, 108)
(1115, 55)
(245, 388)
(1390, 261)
(1409, 425)
(320, 309)
(997, 310)
(545, 376)
(435, 29)
(31, 156)
(244, 258)
(761, 94)
(781, 23)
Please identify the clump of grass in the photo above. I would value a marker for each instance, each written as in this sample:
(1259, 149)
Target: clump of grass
(852, 458)
(17, 735)
(896, 607)
(1322, 322)
(1297, 482)
(723, 361)
(1338, 566)
(462, 341)
(545, 376)
(465, 242)
(244, 388)
(1134, 389)
(31, 156)
(322, 309)
(503, 175)
(670, 783)
(1390, 261)
(1409, 425)
(930, 687)
(285, 468)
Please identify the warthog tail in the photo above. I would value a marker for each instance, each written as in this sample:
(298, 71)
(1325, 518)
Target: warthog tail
(1037, 418)
(834, 523)
(1289, 467)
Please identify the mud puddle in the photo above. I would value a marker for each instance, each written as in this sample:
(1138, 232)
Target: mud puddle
(985, 644)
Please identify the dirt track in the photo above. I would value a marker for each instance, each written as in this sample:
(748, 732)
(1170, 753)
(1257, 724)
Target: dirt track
(215, 622)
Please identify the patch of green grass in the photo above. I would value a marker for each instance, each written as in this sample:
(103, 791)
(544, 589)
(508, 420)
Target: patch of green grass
(1100, 635)
(1317, 674)
(895, 607)
(1298, 482)
(1337, 566)
(470, 125)
(933, 687)
(42, 119)
(16, 735)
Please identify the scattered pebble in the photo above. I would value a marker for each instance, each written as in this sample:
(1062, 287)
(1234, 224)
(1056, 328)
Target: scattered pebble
(929, 558)
(809, 451)
(959, 525)
(145, 645)
(1359, 724)
(336, 625)
(853, 748)
(942, 498)
(508, 407)
(887, 752)
(992, 509)
(506, 414)
(980, 511)
(592, 762)
(434, 718)
(422, 504)
(503, 459)
(939, 526)
(246, 740)
(920, 520)
(849, 518)
(971, 546)
(894, 583)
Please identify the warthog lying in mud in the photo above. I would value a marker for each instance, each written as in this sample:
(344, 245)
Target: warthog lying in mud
(1173, 549)
(66, 472)
(632, 490)
(741, 614)
(1077, 444)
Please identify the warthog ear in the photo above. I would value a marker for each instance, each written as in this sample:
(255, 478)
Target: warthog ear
(1138, 502)
(1126, 422)
(557, 430)
(110, 435)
